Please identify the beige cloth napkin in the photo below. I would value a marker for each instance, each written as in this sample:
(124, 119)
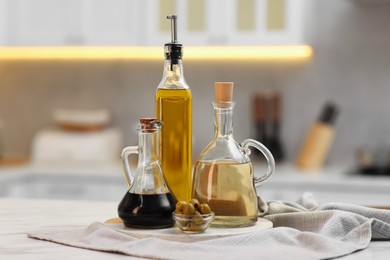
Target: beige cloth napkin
(303, 230)
(308, 215)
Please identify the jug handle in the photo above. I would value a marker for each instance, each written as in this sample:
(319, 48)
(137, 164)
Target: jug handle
(267, 154)
(125, 162)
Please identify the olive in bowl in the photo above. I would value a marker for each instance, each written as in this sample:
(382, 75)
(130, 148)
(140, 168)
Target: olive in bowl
(193, 217)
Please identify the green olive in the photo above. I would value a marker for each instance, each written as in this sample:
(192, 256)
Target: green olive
(204, 208)
(197, 219)
(188, 209)
(179, 206)
(194, 227)
(195, 202)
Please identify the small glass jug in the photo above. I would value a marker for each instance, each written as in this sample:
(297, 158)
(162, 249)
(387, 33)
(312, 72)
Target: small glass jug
(223, 174)
(149, 203)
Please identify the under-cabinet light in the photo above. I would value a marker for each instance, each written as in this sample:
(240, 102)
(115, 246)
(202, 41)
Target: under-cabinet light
(156, 52)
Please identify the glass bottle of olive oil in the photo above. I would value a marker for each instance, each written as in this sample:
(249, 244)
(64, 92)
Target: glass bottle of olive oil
(174, 109)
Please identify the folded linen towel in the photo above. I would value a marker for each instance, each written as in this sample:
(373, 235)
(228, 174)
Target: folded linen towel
(307, 215)
(303, 230)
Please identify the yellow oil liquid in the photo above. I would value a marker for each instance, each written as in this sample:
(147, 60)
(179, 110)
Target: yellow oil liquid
(229, 190)
(174, 108)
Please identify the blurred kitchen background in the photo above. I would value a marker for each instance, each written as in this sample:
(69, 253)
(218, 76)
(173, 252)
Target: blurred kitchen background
(349, 66)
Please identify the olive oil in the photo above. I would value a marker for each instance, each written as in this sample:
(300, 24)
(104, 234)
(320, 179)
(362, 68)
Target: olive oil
(174, 108)
(227, 186)
(223, 174)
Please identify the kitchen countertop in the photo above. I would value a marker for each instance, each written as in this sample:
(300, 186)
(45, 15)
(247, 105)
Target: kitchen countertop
(18, 216)
(334, 183)
(85, 181)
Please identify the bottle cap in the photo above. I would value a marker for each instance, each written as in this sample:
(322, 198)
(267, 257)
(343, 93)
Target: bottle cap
(224, 91)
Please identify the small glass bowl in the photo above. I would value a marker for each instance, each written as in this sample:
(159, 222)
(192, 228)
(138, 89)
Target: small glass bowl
(193, 223)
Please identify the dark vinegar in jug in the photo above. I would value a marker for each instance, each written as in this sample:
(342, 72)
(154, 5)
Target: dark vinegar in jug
(147, 210)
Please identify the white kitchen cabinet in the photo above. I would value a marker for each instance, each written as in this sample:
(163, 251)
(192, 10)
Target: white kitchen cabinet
(143, 22)
(265, 22)
(3, 22)
(42, 22)
(107, 22)
(195, 24)
(227, 22)
(72, 22)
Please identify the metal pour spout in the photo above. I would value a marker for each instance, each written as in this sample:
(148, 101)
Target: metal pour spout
(173, 19)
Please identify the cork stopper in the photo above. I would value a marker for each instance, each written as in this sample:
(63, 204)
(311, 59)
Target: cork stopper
(149, 125)
(224, 91)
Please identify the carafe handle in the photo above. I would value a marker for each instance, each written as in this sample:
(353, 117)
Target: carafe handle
(267, 154)
(125, 163)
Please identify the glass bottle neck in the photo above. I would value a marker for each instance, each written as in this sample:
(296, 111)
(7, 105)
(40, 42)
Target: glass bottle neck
(173, 76)
(223, 119)
(148, 147)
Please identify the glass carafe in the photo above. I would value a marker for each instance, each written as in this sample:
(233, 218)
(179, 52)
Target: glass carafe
(223, 174)
(149, 203)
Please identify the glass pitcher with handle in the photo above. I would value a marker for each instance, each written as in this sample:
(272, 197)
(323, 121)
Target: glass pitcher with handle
(223, 174)
(149, 203)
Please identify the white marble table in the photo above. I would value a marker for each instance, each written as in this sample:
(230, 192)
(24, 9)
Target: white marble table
(20, 216)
